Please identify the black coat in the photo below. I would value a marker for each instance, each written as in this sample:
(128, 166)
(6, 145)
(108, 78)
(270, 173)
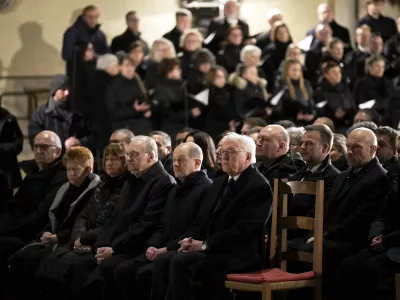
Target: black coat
(11, 143)
(391, 116)
(64, 210)
(341, 164)
(384, 26)
(371, 88)
(234, 231)
(105, 198)
(152, 77)
(284, 166)
(122, 42)
(304, 205)
(337, 97)
(387, 223)
(196, 83)
(120, 98)
(312, 64)
(229, 57)
(181, 209)
(263, 40)
(220, 111)
(186, 60)
(63, 122)
(168, 164)
(6, 191)
(353, 203)
(170, 106)
(30, 205)
(174, 36)
(81, 31)
(355, 61)
(339, 32)
(391, 51)
(220, 27)
(139, 212)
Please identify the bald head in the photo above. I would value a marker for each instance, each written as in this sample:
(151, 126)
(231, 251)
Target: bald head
(325, 13)
(231, 9)
(47, 148)
(273, 142)
(361, 147)
(187, 158)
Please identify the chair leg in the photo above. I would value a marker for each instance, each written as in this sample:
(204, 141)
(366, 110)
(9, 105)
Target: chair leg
(318, 291)
(397, 286)
(266, 292)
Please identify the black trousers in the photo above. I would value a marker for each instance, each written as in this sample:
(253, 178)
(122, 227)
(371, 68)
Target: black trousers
(22, 269)
(133, 278)
(368, 275)
(334, 252)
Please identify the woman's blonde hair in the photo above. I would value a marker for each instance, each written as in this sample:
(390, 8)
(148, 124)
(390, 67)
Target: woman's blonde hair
(154, 53)
(115, 149)
(286, 78)
(186, 33)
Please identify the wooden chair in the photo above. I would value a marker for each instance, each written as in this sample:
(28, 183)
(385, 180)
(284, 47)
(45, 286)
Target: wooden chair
(277, 279)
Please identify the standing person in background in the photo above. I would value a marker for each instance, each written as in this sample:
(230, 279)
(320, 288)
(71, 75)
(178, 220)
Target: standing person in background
(264, 39)
(218, 28)
(183, 22)
(132, 34)
(85, 28)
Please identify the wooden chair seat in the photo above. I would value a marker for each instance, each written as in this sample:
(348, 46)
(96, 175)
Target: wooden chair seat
(270, 275)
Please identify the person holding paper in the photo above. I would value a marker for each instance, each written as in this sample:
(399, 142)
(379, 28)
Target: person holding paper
(293, 98)
(374, 86)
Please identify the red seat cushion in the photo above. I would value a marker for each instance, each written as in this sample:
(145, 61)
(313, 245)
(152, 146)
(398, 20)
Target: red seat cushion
(270, 275)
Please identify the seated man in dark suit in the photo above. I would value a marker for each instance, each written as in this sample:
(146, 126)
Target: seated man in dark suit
(315, 148)
(273, 151)
(369, 275)
(134, 276)
(387, 152)
(231, 240)
(164, 146)
(354, 200)
(327, 15)
(125, 233)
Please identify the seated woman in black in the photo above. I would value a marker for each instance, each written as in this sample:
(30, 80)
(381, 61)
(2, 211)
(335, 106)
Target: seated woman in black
(335, 98)
(206, 143)
(220, 112)
(374, 86)
(191, 42)
(126, 100)
(229, 56)
(136, 53)
(162, 48)
(69, 201)
(249, 92)
(293, 99)
(170, 106)
(59, 265)
(196, 83)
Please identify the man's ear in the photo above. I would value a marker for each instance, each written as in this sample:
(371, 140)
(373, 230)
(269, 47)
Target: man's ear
(169, 148)
(197, 163)
(59, 150)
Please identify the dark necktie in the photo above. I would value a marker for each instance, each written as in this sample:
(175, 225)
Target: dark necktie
(228, 188)
(307, 174)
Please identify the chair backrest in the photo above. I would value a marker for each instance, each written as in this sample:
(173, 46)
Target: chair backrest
(281, 222)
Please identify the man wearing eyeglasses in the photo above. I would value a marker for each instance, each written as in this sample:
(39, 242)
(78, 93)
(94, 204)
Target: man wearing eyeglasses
(27, 212)
(230, 239)
(124, 235)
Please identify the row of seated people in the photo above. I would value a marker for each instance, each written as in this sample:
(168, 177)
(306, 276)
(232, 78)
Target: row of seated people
(113, 237)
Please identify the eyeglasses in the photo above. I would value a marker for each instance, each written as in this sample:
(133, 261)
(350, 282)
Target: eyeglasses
(229, 152)
(132, 155)
(42, 147)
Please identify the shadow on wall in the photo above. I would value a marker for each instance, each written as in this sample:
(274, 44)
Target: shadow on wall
(35, 57)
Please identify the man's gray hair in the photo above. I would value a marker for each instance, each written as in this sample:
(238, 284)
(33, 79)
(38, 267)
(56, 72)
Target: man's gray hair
(249, 49)
(245, 143)
(148, 143)
(193, 150)
(106, 60)
(296, 133)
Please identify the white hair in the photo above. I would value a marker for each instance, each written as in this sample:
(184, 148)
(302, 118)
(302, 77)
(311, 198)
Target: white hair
(249, 49)
(272, 13)
(245, 143)
(149, 144)
(106, 60)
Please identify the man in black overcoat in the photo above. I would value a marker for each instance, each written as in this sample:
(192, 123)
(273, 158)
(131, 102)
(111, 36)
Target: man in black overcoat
(231, 240)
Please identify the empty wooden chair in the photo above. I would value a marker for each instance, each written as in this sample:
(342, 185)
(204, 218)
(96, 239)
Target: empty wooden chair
(278, 279)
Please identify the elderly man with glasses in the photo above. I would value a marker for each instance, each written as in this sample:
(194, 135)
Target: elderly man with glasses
(27, 212)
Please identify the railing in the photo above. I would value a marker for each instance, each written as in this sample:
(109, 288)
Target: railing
(29, 87)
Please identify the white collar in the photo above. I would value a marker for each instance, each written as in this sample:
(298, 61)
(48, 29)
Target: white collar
(315, 168)
(234, 178)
